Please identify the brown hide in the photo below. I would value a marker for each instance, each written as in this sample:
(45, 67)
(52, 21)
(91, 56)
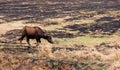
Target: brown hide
(34, 33)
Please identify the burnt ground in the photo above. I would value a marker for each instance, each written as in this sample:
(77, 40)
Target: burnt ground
(35, 11)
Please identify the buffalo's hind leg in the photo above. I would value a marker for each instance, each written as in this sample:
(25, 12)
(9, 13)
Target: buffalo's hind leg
(21, 39)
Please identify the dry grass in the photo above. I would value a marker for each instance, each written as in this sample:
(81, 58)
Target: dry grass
(86, 36)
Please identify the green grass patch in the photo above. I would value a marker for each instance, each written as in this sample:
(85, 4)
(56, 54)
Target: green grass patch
(84, 40)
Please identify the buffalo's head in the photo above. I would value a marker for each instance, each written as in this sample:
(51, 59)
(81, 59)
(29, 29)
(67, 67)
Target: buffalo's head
(49, 39)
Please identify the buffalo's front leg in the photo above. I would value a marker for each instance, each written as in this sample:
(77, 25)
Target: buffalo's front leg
(28, 41)
(38, 41)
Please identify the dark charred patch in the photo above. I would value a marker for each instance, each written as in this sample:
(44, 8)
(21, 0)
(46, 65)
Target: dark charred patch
(103, 47)
(62, 34)
(78, 47)
(37, 10)
(10, 36)
(97, 28)
(19, 50)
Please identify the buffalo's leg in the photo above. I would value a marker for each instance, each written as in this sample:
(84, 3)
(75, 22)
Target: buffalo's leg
(21, 39)
(38, 41)
(28, 41)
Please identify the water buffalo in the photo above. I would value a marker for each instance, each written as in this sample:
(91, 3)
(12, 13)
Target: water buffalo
(34, 33)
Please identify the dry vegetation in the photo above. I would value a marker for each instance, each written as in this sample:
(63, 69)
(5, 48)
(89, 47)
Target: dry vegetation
(85, 32)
